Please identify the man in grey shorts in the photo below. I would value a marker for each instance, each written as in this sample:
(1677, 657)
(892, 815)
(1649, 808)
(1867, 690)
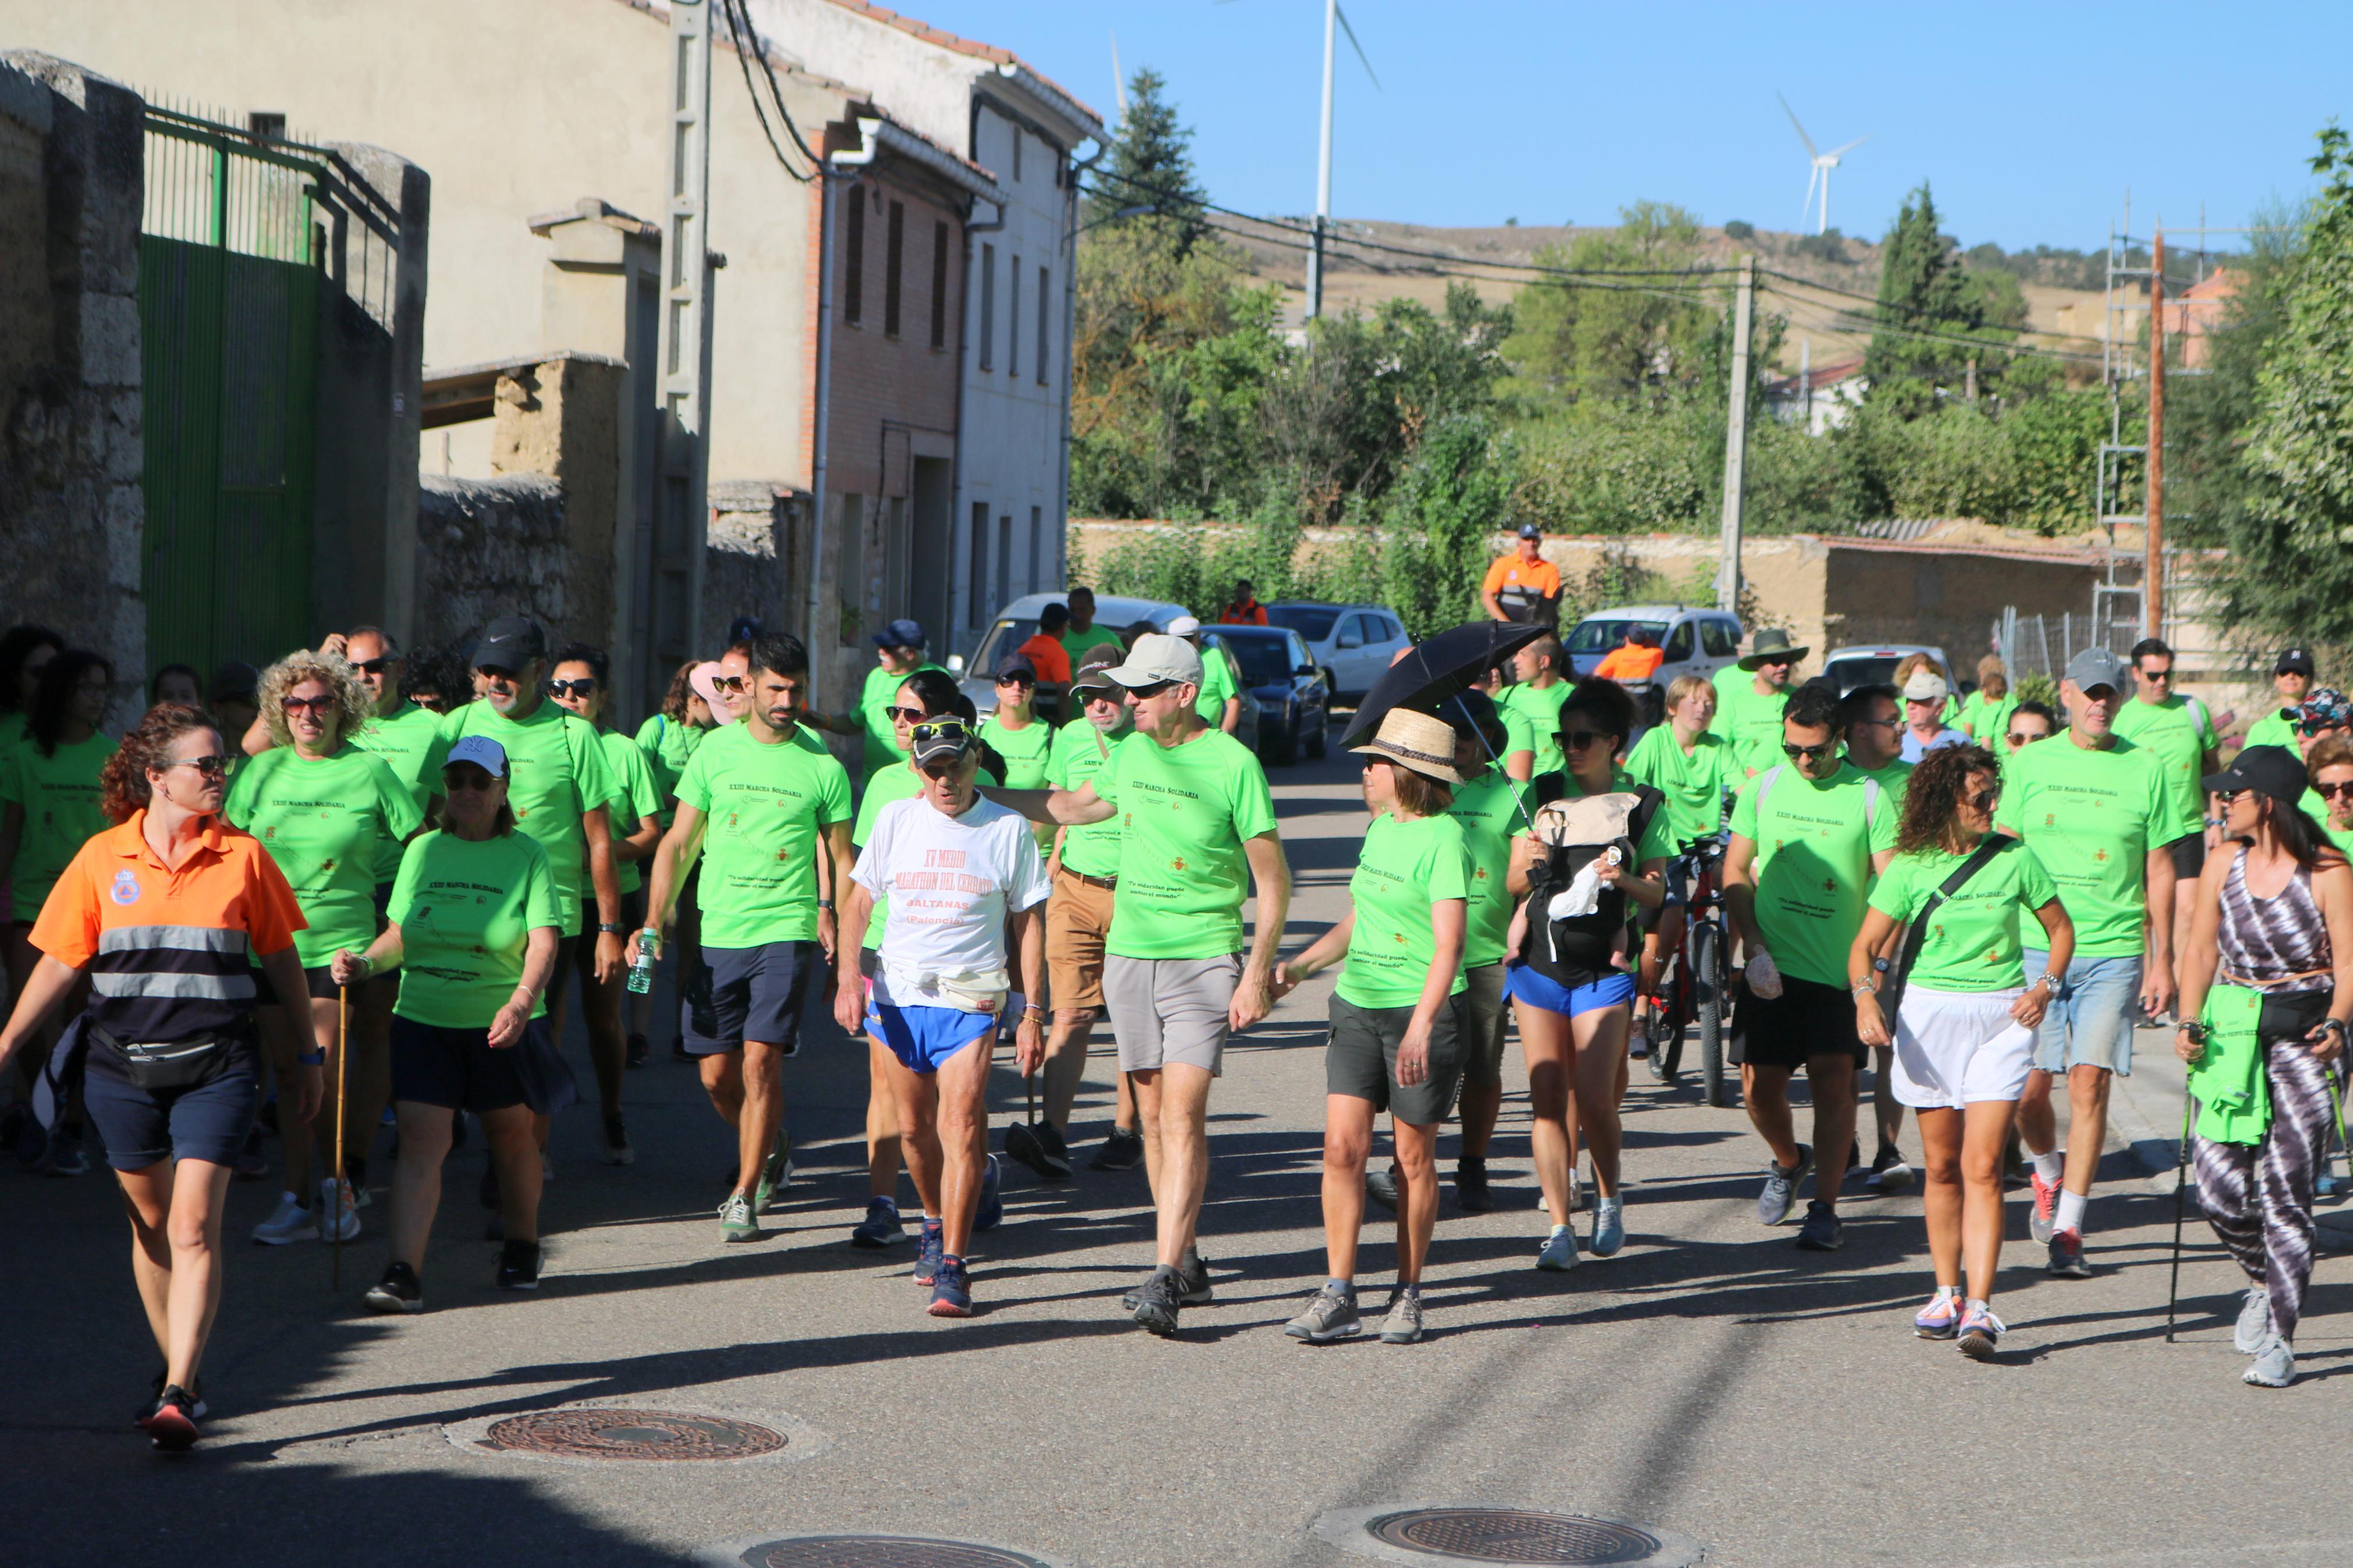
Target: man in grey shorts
(1197, 830)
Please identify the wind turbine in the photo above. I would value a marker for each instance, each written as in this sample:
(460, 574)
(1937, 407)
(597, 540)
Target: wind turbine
(1118, 82)
(1823, 163)
(1333, 17)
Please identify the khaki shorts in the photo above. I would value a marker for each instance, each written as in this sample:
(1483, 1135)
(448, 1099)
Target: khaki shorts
(1487, 1012)
(1078, 917)
(1168, 1010)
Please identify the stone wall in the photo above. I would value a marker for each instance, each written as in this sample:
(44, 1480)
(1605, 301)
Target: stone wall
(487, 548)
(752, 562)
(71, 512)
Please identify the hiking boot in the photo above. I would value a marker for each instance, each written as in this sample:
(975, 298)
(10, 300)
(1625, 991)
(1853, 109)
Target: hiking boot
(518, 1266)
(1559, 1251)
(1779, 1193)
(2043, 1219)
(2067, 1256)
(1156, 1303)
(1192, 1284)
(880, 1228)
(1471, 1186)
(952, 1289)
(1981, 1333)
(398, 1291)
(1381, 1187)
(2254, 1320)
(1820, 1233)
(1403, 1324)
(2274, 1366)
(928, 1252)
(1889, 1173)
(737, 1220)
(1328, 1317)
(1939, 1319)
(1122, 1150)
(990, 1211)
(617, 1144)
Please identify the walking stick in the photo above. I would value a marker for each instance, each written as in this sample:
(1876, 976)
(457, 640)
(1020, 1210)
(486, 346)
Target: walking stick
(2180, 1170)
(342, 1182)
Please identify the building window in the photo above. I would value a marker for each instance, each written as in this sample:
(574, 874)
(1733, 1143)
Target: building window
(1005, 559)
(987, 306)
(980, 612)
(1037, 544)
(939, 285)
(853, 259)
(1013, 317)
(1042, 296)
(1016, 154)
(893, 244)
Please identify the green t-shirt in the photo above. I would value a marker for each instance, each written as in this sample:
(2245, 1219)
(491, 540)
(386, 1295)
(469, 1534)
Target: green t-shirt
(1185, 813)
(1693, 784)
(59, 795)
(1075, 642)
(1894, 777)
(2177, 734)
(1403, 869)
(1519, 735)
(405, 742)
(668, 744)
(1974, 941)
(2091, 817)
(466, 911)
(557, 773)
(640, 797)
(874, 700)
(326, 821)
(1751, 722)
(900, 782)
(1485, 811)
(764, 808)
(1217, 684)
(1986, 720)
(1541, 709)
(1025, 751)
(2276, 727)
(1092, 851)
(1814, 847)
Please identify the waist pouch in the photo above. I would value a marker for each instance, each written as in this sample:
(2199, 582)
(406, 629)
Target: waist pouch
(172, 1064)
(968, 992)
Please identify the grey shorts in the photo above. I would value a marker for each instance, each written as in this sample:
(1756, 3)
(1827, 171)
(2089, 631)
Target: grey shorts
(1361, 1060)
(1486, 1013)
(1168, 1010)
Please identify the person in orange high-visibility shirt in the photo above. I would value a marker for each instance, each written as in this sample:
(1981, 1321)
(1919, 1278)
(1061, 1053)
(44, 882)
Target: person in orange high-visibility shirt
(167, 913)
(1044, 648)
(1244, 609)
(1523, 586)
(1637, 658)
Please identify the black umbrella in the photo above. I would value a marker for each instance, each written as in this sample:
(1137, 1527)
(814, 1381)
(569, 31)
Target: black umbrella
(1439, 667)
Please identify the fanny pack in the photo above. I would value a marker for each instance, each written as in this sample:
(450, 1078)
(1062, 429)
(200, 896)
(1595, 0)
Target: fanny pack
(174, 1064)
(1915, 933)
(967, 991)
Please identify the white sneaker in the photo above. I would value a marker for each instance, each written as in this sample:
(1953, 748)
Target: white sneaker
(288, 1222)
(334, 1200)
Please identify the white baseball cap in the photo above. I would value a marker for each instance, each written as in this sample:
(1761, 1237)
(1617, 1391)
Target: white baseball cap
(1184, 625)
(483, 752)
(1157, 657)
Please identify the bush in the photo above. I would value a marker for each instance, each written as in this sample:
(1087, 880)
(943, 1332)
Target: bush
(1739, 228)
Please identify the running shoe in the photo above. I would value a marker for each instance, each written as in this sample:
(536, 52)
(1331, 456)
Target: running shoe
(1779, 1193)
(1889, 1173)
(1158, 1303)
(880, 1228)
(737, 1220)
(1192, 1284)
(1122, 1150)
(1403, 1324)
(290, 1221)
(398, 1291)
(2067, 1256)
(2254, 1320)
(990, 1212)
(1822, 1231)
(1057, 1152)
(928, 1251)
(636, 1052)
(1609, 1225)
(171, 1424)
(2046, 1208)
(518, 1266)
(155, 1398)
(1471, 1186)
(252, 1164)
(1328, 1317)
(2274, 1366)
(617, 1144)
(1040, 1147)
(62, 1156)
(336, 1198)
(1559, 1251)
(1981, 1333)
(1381, 1187)
(775, 1172)
(1939, 1319)
(952, 1289)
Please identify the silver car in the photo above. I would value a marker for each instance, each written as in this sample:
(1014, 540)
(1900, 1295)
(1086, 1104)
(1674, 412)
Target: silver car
(1351, 643)
(1017, 623)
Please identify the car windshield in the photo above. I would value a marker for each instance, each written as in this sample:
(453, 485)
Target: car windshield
(1002, 638)
(1265, 661)
(1602, 633)
(1312, 622)
(1850, 673)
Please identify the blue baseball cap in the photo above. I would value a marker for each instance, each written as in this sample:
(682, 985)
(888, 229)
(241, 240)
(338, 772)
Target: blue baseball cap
(899, 633)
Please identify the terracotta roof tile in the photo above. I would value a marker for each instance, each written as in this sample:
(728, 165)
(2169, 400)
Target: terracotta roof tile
(947, 40)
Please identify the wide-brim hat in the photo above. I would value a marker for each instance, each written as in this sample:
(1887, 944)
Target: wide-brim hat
(1415, 740)
(1773, 646)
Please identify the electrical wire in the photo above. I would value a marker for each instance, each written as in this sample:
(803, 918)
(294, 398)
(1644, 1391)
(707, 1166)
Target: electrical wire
(742, 9)
(1872, 328)
(746, 45)
(1879, 304)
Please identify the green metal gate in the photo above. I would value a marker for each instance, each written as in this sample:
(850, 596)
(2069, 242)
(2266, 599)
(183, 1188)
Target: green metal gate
(228, 317)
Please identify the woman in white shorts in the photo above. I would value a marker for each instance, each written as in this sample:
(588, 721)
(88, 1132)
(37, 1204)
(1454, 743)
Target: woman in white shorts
(1964, 1031)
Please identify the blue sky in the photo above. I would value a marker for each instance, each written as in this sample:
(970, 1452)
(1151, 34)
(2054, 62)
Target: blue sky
(2029, 121)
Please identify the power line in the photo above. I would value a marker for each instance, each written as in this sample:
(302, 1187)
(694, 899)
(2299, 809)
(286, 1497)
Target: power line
(747, 44)
(1876, 328)
(1877, 303)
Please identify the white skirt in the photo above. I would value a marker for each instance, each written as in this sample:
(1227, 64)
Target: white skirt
(1953, 1048)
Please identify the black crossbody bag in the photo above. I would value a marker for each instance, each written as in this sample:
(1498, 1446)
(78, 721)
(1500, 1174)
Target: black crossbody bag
(1915, 933)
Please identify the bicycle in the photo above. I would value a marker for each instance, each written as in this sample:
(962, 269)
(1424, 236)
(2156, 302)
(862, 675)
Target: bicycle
(1694, 981)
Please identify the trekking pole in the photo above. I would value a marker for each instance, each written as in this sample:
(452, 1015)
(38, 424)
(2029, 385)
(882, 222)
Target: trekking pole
(342, 1182)
(2181, 1171)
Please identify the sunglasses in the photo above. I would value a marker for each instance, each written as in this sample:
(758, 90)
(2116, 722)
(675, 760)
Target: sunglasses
(2334, 791)
(472, 781)
(1015, 681)
(319, 705)
(375, 666)
(2154, 675)
(727, 683)
(954, 730)
(1155, 689)
(498, 672)
(904, 715)
(1882, 724)
(2016, 739)
(1983, 800)
(586, 686)
(2317, 726)
(216, 767)
(1578, 740)
(1810, 753)
(2230, 797)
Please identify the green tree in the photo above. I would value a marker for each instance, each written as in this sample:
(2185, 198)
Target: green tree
(1151, 163)
(1923, 288)
(1633, 340)
(1441, 521)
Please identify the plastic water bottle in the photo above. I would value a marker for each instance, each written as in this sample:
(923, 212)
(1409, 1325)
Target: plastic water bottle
(641, 964)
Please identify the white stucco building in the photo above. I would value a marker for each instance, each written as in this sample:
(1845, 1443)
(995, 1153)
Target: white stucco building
(1012, 478)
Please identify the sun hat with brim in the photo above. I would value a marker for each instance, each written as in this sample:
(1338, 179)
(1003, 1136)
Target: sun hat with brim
(1157, 657)
(1774, 646)
(2273, 771)
(483, 752)
(1415, 740)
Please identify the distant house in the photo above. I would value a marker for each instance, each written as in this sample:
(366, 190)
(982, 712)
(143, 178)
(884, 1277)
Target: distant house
(2198, 310)
(1821, 397)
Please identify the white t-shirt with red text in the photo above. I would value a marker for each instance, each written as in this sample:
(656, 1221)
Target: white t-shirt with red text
(952, 881)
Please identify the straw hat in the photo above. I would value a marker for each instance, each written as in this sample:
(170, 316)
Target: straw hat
(1415, 740)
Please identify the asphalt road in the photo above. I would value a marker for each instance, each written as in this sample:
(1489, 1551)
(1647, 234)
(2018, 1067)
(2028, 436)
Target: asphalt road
(1770, 1404)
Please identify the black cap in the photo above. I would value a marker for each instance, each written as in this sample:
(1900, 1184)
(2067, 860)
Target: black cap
(2273, 771)
(2293, 661)
(1094, 665)
(1530, 531)
(947, 736)
(1016, 663)
(509, 643)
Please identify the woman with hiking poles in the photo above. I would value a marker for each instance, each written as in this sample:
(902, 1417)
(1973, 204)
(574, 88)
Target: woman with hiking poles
(2266, 995)
(1963, 1031)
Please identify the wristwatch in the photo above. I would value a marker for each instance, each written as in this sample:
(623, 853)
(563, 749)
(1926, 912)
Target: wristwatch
(825, 903)
(2197, 1033)
(1881, 966)
(608, 926)
(2338, 1024)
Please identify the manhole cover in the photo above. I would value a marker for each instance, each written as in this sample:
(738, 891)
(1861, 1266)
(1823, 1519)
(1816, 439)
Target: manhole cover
(591, 1434)
(1475, 1534)
(883, 1552)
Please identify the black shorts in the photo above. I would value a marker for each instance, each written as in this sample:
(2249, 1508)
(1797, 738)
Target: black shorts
(456, 1069)
(2188, 853)
(1808, 1020)
(142, 1126)
(740, 993)
(1361, 1060)
(320, 981)
(582, 949)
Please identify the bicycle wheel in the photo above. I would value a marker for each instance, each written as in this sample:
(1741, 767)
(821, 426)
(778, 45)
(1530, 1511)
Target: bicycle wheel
(1707, 963)
(1666, 1025)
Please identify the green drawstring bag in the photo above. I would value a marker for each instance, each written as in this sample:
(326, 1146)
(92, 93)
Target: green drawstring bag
(2234, 1102)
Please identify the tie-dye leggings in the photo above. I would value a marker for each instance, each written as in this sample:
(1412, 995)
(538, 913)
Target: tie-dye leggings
(2259, 1196)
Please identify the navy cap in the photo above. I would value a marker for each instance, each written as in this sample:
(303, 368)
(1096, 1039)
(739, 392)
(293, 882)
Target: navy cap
(1016, 663)
(1530, 531)
(2293, 661)
(899, 633)
(509, 643)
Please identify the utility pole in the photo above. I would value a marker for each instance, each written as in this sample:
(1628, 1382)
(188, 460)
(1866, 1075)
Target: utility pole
(2152, 591)
(1323, 173)
(1736, 440)
(685, 346)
